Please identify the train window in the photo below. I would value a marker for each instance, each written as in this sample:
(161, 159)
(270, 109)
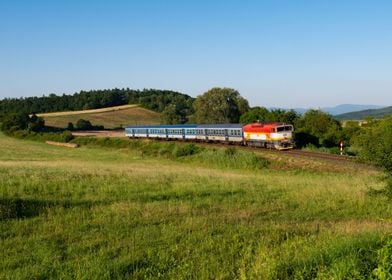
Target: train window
(288, 128)
(280, 128)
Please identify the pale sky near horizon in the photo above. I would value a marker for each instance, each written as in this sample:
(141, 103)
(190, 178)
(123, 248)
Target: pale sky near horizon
(275, 53)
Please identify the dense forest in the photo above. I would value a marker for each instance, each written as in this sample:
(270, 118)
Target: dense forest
(153, 99)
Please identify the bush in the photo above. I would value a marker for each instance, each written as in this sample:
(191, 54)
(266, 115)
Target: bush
(185, 150)
(384, 257)
(65, 136)
(70, 126)
(374, 144)
(82, 124)
(189, 152)
(231, 158)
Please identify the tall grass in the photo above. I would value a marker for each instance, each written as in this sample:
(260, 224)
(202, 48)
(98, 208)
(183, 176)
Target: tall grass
(104, 213)
(185, 152)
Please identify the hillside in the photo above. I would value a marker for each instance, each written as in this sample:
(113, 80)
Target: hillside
(153, 99)
(347, 108)
(336, 110)
(360, 115)
(111, 117)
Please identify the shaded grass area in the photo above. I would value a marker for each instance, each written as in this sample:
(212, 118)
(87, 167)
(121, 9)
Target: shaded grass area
(93, 213)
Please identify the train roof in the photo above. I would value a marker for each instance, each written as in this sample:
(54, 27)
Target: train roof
(164, 126)
(218, 126)
(266, 124)
(226, 125)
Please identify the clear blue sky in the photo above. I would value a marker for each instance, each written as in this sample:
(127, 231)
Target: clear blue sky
(290, 53)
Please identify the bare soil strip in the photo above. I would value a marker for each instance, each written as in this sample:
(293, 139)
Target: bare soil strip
(100, 133)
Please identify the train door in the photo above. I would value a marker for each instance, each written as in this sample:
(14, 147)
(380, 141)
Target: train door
(226, 131)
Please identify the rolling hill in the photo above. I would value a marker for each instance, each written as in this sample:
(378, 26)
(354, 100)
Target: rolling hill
(360, 115)
(111, 117)
(336, 110)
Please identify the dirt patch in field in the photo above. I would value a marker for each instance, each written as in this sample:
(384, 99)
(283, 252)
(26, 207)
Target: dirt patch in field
(100, 133)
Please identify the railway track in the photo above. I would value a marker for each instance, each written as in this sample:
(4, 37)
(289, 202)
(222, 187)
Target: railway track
(317, 155)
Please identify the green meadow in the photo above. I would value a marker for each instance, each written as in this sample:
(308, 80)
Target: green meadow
(98, 212)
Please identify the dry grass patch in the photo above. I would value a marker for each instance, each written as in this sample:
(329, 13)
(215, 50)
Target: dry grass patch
(129, 115)
(101, 110)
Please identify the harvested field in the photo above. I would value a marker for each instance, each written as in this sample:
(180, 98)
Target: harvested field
(113, 117)
(92, 111)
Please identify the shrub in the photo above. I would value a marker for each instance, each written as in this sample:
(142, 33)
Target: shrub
(384, 257)
(231, 158)
(185, 150)
(65, 136)
(82, 124)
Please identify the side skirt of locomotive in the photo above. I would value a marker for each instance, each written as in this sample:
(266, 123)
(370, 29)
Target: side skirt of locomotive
(278, 145)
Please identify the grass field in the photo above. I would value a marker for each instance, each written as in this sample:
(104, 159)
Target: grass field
(112, 117)
(105, 213)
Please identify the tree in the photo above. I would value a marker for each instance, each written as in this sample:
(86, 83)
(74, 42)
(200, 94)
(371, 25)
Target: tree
(256, 114)
(17, 121)
(321, 125)
(262, 114)
(70, 126)
(36, 123)
(82, 124)
(220, 105)
(350, 129)
(170, 115)
(374, 143)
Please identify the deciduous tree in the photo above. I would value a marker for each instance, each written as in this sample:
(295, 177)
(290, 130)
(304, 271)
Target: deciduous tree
(220, 105)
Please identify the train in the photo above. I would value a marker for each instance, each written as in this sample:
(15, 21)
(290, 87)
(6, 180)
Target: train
(273, 135)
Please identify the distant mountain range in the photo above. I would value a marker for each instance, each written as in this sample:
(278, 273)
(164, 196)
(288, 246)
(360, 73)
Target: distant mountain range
(340, 109)
(360, 115)
(350, 111)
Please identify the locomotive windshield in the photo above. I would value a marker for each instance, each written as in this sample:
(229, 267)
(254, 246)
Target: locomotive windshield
(284, 128)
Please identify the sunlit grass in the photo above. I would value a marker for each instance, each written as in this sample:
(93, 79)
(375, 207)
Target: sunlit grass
(101, 213)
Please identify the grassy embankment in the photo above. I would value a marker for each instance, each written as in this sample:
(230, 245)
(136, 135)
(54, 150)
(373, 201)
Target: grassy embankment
(104, 213)
(112, 117)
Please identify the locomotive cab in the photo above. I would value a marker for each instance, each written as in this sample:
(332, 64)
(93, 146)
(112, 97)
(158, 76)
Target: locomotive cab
(273, 135)
(284, 135)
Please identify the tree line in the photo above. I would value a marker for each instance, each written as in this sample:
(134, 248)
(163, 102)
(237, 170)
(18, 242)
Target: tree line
(217, 105)
(152, 99)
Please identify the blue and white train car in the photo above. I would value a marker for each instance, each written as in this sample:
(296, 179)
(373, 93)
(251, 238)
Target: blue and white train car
(205, 132)
(160, 131)
(220, 132)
